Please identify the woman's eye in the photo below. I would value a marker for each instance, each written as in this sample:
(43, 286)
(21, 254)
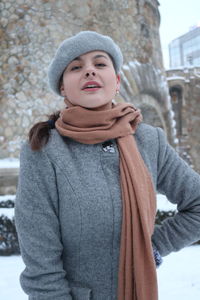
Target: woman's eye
(74, 68)
(100, 65)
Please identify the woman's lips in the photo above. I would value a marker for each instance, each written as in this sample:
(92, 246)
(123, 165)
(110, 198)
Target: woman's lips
(91, 89)
(91, 86)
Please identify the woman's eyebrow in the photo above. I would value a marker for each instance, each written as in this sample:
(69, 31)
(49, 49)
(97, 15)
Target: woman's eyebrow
(94, 57)
(100, 55)
(76, 58)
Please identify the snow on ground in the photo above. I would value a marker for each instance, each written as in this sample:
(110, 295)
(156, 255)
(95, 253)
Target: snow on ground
(178, 276)
(11, 267)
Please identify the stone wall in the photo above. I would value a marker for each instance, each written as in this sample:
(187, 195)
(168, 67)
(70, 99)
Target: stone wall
(184, 86)
(30, 31)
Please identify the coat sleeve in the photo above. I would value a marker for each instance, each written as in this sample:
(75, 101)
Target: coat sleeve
(181, 185)
(37, 223)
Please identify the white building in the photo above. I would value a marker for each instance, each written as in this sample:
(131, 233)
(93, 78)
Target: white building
(185, 50)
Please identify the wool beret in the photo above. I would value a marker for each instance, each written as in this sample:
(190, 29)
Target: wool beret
(79, 44)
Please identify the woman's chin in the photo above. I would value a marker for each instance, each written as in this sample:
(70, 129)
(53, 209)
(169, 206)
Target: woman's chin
(103, 106)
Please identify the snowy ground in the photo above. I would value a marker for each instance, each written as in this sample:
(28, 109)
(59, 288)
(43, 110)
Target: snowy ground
(178, 276)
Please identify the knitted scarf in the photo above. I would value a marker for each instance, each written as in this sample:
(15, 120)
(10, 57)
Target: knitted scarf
(137, 272)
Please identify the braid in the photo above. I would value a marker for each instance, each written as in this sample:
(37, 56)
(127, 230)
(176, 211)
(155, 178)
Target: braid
(39, 134)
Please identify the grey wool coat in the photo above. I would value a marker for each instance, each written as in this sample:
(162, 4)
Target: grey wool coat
(68, 213)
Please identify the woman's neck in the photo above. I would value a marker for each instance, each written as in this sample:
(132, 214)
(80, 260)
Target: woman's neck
(100, 108)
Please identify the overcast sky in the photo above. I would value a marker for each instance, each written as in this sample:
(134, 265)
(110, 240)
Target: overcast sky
(177, 16)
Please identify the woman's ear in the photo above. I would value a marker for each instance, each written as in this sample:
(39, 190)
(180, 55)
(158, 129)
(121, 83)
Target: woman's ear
(62, 90)
(118, 82)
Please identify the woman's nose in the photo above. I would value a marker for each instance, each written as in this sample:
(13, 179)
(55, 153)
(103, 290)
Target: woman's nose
(90, 73)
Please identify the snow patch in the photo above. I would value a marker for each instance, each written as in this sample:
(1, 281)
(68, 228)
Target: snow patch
(7, 197)
(7, 212)
(9, 163)
(175, 78)
(163, 204)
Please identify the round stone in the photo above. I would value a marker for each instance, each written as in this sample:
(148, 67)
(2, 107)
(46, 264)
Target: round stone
(13, 18)
(4, 22)
(7, 5)
(21, 96)
(8, 132)
(13, 60)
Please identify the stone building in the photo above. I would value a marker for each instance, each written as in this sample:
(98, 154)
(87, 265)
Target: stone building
(184, 87)
(30, 32)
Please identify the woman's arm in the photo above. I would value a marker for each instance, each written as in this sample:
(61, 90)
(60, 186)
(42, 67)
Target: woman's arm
(37, 222)
(181, 185)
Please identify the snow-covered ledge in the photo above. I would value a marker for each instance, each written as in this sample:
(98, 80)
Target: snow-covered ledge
(9, 163)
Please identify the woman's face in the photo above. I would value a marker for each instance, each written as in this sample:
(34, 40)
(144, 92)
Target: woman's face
(90, 80)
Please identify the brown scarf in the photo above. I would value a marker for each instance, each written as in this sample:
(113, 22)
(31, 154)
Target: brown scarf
(137, 273)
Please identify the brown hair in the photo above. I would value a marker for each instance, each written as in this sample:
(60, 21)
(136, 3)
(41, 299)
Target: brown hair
(39, 134)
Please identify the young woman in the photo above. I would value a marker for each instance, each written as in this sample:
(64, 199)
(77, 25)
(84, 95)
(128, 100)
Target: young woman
(86, 204)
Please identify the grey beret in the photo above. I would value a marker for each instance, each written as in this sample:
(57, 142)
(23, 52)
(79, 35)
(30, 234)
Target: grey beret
(81, 43)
